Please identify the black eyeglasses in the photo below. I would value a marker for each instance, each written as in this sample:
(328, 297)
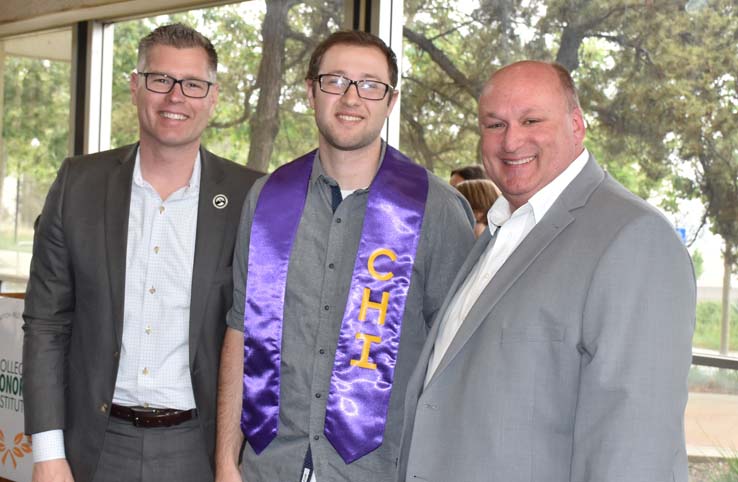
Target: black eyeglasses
(339, 85)
(163, 84)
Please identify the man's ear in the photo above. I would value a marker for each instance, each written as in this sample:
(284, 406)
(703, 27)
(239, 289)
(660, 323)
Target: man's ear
(393, 99)
(133, 86)
(214, 91)
(310, 86)
(578, 125)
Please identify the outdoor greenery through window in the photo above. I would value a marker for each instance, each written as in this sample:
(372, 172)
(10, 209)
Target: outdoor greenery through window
(35, 78)
(657, 86)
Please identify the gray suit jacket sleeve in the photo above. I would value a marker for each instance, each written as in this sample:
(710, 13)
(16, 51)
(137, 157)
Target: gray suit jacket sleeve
(48, 317)
(637, 328)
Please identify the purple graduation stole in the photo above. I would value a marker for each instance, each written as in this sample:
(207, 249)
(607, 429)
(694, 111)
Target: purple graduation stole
(366, 353)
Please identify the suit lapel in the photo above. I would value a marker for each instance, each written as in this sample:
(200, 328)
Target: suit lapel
(209, 239)
(558, 217)
(117, 206)
(416, 381)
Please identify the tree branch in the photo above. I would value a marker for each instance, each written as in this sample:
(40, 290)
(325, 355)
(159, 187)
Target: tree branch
(473, 88)
(245, 114)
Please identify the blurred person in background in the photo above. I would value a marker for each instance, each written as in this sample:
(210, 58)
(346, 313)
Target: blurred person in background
(481, 194)
(467, 173)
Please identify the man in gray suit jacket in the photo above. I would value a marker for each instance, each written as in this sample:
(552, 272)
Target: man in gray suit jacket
(562, 351)
(129, 287)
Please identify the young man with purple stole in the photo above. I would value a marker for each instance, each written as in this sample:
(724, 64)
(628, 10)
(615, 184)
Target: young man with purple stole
(343, 258)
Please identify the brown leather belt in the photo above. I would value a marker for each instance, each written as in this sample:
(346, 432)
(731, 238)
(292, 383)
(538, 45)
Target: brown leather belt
(152, 417)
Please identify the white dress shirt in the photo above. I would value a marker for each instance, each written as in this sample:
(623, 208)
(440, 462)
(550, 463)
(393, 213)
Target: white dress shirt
(154, 361)
(154, 358)
(510, 229)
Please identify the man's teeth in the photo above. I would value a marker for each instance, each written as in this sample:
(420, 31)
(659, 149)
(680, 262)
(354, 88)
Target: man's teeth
(172, 115)
(520, 161)
(349, 117)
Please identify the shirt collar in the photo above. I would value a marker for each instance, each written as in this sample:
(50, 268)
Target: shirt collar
(541, 201)
(193, 183)
(319, 174)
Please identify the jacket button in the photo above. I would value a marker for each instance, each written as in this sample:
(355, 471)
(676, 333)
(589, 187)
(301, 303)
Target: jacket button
(104, 408)
(116, 355)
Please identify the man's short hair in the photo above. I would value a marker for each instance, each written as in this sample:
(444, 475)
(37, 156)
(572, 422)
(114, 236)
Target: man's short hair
(352, 37)
(178, 36)
(567, 85)
(470, 172)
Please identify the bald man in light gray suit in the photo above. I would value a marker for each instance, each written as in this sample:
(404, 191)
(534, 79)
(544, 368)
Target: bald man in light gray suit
(562, 351)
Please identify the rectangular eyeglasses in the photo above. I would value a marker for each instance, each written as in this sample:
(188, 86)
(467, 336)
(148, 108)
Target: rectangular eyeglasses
(339, 85)
(163, 84)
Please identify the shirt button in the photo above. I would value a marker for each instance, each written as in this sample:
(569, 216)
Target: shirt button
(316, 437)
(331, 265)
(326, 307)
(152, 290)
(161, 209)
(148, 330)
(317, 395)
(145, 371)
(338, 220)
(156, 249)
(321, 351)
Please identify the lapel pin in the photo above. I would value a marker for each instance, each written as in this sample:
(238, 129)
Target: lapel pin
(220, 201)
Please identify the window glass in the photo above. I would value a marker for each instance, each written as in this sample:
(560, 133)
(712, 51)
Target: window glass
(710, 423)
(659, 100)
(35, 80)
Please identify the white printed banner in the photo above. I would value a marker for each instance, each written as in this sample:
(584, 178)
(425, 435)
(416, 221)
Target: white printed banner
(16, 461)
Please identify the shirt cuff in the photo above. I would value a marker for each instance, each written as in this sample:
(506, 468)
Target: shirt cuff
(48, 445)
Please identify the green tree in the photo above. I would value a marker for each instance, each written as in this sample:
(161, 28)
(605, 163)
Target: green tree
(35, 122)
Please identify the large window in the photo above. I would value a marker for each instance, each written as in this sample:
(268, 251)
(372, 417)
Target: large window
(35, 79)
(660, 104)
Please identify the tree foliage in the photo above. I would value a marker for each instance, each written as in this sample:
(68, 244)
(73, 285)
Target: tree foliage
(35, 128)
(656, 79)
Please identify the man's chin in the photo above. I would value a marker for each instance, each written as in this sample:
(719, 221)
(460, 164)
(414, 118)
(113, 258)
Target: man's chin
(349, 145)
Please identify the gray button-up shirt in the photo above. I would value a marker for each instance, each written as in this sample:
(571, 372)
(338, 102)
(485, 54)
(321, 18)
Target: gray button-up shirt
(318, 280)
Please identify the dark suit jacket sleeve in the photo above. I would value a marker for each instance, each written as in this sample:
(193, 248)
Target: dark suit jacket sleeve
(637, 329)
(234, 319)
(48, 317)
